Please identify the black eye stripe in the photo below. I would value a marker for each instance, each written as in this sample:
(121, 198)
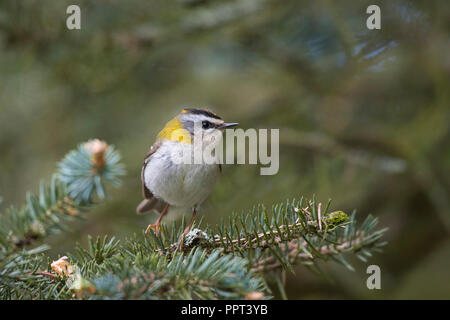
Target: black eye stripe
(207, 124)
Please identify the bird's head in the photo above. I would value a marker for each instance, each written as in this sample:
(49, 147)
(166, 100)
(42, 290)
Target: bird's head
(192, 122)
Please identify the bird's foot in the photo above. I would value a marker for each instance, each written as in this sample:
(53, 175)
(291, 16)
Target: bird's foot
(181, 242)
(183, 236)
(156, 228)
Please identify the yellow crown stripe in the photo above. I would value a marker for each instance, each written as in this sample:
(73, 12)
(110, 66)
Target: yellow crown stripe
(174, 131)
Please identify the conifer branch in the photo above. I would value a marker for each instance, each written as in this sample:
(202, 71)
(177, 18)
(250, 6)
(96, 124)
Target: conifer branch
(295, 234)
(72, 190)
(228, 261)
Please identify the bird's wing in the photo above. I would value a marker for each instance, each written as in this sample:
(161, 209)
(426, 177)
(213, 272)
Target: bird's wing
(145, 192)
(150, 201)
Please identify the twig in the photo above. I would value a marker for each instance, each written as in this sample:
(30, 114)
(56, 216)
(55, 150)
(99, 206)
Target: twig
(45, 273)
(293, 254)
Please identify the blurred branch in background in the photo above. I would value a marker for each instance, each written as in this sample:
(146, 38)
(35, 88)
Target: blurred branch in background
(321, 143)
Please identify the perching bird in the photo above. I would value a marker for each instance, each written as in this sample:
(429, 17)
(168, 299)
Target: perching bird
(170, 175)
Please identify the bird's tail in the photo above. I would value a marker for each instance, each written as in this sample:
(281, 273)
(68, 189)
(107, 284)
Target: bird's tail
(152, 203)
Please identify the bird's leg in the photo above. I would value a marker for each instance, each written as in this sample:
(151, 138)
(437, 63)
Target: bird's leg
(157, 225)
(188, 228)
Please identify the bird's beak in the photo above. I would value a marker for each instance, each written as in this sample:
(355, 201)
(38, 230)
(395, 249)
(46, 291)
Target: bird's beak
(228, 125)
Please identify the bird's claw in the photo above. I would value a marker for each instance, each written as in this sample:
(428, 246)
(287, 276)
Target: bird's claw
(180, 243)
(156, 228)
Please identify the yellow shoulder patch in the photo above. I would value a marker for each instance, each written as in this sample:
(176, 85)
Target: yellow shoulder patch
(174, 131)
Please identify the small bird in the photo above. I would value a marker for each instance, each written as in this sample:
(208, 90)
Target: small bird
(167, 178)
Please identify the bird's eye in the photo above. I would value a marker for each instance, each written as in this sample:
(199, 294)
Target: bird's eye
(206, 124)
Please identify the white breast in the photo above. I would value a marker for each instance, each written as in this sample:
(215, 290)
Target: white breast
(179, 184)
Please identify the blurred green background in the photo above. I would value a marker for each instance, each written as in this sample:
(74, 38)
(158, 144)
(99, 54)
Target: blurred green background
(363, 114)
